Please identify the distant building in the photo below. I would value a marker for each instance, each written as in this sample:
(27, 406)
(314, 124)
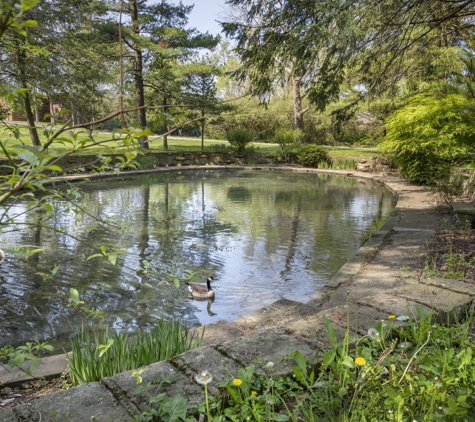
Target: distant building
(48, 108)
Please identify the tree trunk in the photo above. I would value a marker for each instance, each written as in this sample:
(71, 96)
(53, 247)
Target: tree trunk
(51, 111)
(165, 111)
(297, 100)
(35, 139)
(203, 129)
(37, 110)
(138, 73)
(27, 98)
(73, 114)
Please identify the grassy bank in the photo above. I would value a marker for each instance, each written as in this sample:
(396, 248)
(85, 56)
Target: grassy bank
(101, 143)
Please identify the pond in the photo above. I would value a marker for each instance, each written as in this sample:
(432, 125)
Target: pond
(262, 235)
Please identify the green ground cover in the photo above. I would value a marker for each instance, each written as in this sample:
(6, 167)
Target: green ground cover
(102, 142)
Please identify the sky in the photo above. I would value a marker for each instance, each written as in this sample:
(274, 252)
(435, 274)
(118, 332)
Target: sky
(204, 14)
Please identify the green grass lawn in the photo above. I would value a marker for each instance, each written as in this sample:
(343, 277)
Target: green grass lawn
(107, 143)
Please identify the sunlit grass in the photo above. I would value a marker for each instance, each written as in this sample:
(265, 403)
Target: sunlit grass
(108, 142)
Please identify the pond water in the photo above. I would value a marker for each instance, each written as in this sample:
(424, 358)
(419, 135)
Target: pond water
(261, 235)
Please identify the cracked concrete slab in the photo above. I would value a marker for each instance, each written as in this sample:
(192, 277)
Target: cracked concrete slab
(449, 306)
(452, 285)
(75, 405)
(161, 377)
(271, 345)
(395, 306)
(207, 359)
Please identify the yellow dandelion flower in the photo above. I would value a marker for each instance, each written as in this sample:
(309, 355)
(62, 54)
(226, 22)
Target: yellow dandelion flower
(237, 382)
(392, 317)
(360, 361)
(253, 393)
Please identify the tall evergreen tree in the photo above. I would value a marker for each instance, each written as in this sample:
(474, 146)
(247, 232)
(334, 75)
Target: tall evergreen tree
(158, 39)
(200, 88)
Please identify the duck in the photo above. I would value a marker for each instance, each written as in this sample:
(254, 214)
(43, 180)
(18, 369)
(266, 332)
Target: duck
(201, 291)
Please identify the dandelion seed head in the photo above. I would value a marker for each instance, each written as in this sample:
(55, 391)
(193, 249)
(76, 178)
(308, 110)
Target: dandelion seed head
(203, 378)
(373, 333)
(269, 365)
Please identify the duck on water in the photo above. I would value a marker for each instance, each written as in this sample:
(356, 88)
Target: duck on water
(200, 291)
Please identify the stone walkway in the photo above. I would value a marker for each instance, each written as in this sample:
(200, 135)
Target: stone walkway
(383, 278)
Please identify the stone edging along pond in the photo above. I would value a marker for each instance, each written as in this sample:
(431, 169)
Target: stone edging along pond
(369, 287)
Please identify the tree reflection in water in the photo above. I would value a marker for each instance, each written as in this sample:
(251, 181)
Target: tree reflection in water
(262, 235)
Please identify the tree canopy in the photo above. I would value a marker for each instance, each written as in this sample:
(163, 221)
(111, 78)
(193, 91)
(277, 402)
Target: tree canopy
(373, 45)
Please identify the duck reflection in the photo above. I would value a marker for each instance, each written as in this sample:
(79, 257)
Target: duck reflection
(208, 306)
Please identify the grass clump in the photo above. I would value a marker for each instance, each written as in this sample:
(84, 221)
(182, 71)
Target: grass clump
(106, 354)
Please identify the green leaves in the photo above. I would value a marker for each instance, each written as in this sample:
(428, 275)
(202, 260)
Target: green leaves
(110, 256)
(30, 351)
(173, 409)
(428, 132)
(103, 348)
(28, 4)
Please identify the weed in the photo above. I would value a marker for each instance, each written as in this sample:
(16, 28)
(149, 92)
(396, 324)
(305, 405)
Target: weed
(421, 372)
(453, 265)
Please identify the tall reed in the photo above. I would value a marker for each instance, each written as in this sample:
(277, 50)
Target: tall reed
(105, 354)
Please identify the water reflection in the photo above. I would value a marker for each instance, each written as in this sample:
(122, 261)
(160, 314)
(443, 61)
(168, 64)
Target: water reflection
(262, 235)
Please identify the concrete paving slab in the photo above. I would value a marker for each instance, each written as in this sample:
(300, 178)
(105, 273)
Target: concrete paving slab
(359, 318)
(345, 274)
(394, 305)
(406, 249)
(219, 332)
(463, 208)
(449, 306)
(377, 239)
(289, 315)
(267, 313)
(450, 284)
(7, 415)
(267, 346)
(313, 330)
(124, 387)
(78, 404)
(207, 359)
(362, 318)
(48, 366)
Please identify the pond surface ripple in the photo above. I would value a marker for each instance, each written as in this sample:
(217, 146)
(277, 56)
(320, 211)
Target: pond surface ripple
(261, 235)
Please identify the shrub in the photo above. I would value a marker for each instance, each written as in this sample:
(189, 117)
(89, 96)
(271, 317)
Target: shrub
(289, 142)
(239, 138)
(429, 133)
(285, 137)
(312, 155)
(147, 161)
